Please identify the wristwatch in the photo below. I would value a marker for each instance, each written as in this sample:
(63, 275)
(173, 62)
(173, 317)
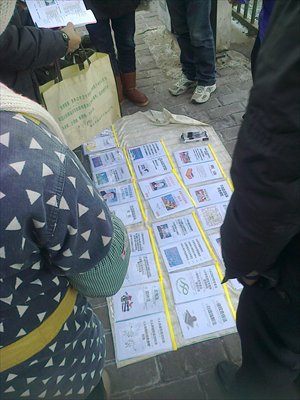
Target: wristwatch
(66, 38)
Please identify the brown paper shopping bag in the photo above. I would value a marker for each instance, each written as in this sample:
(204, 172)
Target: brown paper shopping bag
(85, 101)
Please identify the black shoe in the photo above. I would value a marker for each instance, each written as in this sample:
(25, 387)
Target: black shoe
(226, 371)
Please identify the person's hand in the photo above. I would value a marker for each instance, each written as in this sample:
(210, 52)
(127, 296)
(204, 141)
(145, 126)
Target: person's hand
(74, 37)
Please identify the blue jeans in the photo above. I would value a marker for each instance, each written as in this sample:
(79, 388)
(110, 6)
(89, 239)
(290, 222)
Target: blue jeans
(191, 22)
(122, 60)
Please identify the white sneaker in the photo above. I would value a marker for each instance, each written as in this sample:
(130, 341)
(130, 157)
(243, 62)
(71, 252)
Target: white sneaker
(202, 93)
(182, 85)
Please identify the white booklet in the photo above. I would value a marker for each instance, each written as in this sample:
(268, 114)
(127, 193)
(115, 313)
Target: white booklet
(100, 161)
(142, 336)
(103, 141)
(170, 203)
(193, 156)
(186, 253)
(175, 229)
(129, 213)
(212, 216)
(135, 301)
(57, 13)
(207, 194)
(153, 167)
(118, 194)
(117, 174)
(198, 173)
(195, 284)
(146, 151)
(141, 269)
(204, 316)
(139, 242)
(157, 186)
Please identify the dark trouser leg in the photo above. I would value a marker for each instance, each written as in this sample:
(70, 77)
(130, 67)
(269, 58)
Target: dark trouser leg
(178, 13)
(268, 321)
(124, 30)
(254, 54)
(191, 21)
(101, 37)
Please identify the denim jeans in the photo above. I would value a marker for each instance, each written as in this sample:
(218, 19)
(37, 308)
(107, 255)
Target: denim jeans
(123, 57)
(191, 22)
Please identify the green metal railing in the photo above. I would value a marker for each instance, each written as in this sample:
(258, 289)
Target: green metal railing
(247, 15)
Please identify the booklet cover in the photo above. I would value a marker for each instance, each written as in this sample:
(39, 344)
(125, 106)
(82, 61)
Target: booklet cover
(146, 151)
(150, 168)
(204, 316)
(129, 213)
(135, 301)
(196, 155)
(207, 194)
(57, 13)
(198, 173)
(195, 284)
(212, 216)
(170, 203)
(100, 161)
(118, 194)
(186, 253)
(157, 186)
(141, 269)
(103, 141)
(105, 177)
(175, 229)
(139, 242)
(142, 336)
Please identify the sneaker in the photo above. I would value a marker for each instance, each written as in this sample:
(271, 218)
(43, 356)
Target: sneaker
(202, 93)
(182, 85)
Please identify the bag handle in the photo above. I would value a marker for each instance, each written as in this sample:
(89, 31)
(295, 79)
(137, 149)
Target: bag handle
(78, 57)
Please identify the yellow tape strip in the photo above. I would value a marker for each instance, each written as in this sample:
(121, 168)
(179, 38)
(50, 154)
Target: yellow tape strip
(217, 161)
(163, 290)
(227, 295)
(35, 341)
(184, 187)
(115, 135)
(128, 163)
(168, 154)
(139, 200)
(135, 185)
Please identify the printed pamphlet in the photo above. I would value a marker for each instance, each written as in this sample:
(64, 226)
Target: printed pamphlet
(213, 193)
(193, 156)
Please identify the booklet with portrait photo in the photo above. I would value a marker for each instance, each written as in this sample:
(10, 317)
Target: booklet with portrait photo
(159, 185)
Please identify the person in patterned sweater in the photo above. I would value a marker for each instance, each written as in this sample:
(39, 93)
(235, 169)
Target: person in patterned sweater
(56, 234)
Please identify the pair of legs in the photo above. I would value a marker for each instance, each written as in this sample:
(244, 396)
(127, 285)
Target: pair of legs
(123, 60)
(191, 23)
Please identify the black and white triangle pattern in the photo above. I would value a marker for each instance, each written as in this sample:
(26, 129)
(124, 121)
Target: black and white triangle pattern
(53, 224)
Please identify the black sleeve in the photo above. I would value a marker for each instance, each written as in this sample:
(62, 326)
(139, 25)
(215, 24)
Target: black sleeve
(264, 212)
(27, 47)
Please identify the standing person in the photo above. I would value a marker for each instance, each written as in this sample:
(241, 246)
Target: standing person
(119, 17)
(261, 232)
(25, 48)
(58, 243)
(56, 234)
(191, 22)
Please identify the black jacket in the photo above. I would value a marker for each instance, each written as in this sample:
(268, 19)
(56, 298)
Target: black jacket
(23, 48)
(106, 9)
(261, 230)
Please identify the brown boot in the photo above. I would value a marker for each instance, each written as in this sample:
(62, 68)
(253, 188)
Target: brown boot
(119, 88)
(131, 92)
